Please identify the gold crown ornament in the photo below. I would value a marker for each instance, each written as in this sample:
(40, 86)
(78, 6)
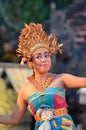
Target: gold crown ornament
(33, 37)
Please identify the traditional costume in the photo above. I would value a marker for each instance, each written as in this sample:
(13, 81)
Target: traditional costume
(48, 104)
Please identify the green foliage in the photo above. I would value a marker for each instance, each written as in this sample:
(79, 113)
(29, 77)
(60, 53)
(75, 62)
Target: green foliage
(26, 11)
(14, 13)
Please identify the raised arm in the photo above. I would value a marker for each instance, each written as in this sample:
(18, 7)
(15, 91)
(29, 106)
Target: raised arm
(72, 81)
(17, 113)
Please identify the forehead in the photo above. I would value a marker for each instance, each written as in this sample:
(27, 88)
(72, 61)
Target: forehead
(41, 51)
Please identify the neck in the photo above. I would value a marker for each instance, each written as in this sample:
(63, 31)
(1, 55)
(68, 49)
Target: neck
(40, 76)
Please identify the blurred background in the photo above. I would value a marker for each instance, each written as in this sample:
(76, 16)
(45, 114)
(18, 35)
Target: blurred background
(67, 20)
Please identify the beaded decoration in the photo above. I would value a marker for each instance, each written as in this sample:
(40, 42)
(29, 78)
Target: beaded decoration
(43, 84)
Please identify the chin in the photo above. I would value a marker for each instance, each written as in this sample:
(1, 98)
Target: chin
(44, 71)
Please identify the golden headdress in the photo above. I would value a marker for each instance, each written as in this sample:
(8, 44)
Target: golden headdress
(33, 37)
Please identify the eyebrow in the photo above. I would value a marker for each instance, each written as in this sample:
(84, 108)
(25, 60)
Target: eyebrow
(40, 53)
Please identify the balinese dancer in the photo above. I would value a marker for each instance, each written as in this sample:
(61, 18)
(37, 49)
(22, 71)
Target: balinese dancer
(44, 92)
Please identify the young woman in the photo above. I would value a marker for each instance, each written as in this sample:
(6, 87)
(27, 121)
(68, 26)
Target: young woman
(44, 93)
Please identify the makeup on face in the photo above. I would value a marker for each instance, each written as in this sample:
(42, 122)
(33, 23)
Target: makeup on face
(41, 59)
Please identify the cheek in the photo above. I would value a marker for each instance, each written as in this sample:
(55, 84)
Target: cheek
(36, 63)
(50, 62)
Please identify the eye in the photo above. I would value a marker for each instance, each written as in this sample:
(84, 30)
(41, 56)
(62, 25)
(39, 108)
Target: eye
(47, 55)
(38, 56)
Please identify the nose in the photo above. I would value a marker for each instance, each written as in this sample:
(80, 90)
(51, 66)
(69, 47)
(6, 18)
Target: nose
(43, 59)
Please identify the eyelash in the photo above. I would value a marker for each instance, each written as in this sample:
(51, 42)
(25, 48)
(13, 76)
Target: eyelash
(46, 56)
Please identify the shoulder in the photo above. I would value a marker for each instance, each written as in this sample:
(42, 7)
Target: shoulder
(25, 87)
(59, 75)
(25, 91)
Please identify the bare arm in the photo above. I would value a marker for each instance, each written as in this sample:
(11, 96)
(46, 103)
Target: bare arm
(72, 81)
(17, 113)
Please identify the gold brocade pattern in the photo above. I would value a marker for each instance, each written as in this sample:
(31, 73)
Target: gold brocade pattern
(66, 124)
(43, 84)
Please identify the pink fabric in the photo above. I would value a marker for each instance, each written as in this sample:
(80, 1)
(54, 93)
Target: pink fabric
(59, 102)
(32, 108)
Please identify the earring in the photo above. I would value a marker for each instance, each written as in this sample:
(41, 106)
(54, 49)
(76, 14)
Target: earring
(30, 65)
(22, 62)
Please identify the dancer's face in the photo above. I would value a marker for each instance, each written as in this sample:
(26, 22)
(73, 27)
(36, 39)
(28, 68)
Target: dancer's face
(41, 60)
